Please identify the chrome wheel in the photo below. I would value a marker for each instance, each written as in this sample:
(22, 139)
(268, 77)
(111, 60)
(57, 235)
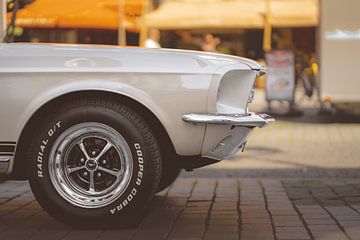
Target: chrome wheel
(90, 165)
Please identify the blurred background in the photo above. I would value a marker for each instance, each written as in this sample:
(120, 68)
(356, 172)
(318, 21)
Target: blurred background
(310, 49)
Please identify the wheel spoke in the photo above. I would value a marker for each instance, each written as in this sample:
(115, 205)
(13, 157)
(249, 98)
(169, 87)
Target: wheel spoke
(92, 182)
(105, 149)
(74, 169)
(83, 150)
(112, 172)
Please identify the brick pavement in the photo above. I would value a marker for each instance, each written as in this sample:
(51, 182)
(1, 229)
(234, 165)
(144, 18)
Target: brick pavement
(208, 208)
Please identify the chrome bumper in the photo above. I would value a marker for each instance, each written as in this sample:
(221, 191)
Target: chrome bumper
(225, 134)
(251, 120)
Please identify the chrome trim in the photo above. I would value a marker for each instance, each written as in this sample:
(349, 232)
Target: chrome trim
(252, 94)
(7, 148)
(4, 159)
(262, 71)
(90, 176)
(7, 143)
(4, 163)
(251, 120)
(6, 153)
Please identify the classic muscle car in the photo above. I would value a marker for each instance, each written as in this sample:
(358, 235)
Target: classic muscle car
(99, 130)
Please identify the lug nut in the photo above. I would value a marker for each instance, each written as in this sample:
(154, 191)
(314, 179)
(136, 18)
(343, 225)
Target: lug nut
(93, 152)
(82, 160)
(99, 174)
(104, 161)
(85, 173)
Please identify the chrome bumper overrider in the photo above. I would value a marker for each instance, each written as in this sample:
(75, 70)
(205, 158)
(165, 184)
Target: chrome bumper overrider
(251, 120)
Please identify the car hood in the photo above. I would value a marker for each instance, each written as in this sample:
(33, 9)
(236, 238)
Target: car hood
(217, 58)
(22, 57)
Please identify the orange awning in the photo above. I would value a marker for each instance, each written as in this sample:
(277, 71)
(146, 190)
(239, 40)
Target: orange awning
(90, 14)
(232, 14)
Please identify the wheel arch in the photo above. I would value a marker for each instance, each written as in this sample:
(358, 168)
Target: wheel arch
(19, 165)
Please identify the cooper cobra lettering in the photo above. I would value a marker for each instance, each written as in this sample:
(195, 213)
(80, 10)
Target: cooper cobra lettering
(139, 177)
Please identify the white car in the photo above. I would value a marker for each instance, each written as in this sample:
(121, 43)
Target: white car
(98, 130)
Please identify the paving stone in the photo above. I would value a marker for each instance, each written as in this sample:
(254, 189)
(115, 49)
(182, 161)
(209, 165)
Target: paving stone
(291, 230)
(319, 221)
(292, 235)
(257, 234)
(316, 216)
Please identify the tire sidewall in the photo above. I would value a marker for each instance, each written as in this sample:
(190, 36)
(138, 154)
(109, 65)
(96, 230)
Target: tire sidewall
(136, 193)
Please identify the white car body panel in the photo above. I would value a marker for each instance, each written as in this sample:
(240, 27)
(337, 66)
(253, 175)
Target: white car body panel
(170, 83)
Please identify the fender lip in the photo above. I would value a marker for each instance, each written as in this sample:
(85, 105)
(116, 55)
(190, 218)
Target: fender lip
(248, 120)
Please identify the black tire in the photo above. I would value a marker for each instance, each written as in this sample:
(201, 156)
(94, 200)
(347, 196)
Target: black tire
(169, 173)
(126, 208)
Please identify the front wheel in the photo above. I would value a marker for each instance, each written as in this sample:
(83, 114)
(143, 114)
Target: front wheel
(94, 162)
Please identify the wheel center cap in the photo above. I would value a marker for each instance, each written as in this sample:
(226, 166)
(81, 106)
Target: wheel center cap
(91, 165)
